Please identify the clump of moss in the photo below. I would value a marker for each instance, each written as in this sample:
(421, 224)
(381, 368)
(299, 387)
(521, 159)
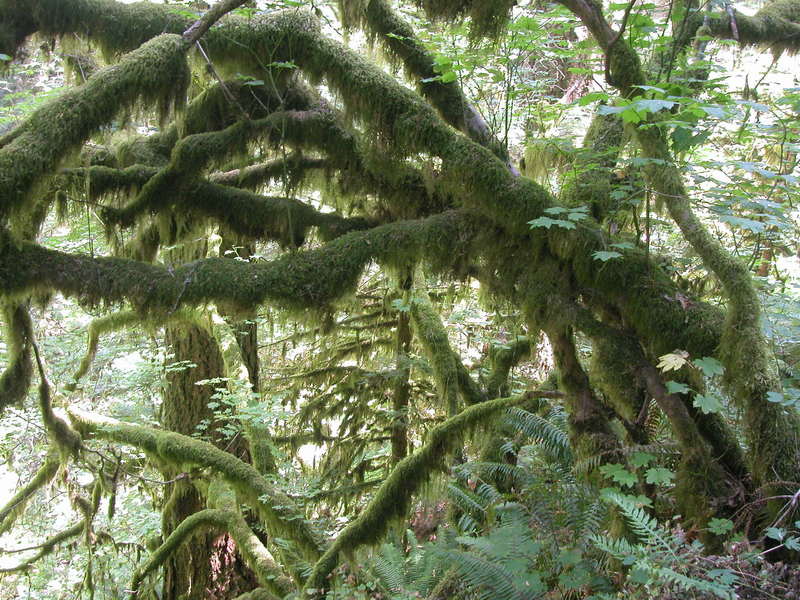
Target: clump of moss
(487, 18)
(16, 505)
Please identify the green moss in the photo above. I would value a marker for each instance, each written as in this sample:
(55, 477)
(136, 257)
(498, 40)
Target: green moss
(445, 362)
(297, 281)
(501, 359)
(155, 74)
(115, 322)
(223, 516)
(401, 42)
(486, 18)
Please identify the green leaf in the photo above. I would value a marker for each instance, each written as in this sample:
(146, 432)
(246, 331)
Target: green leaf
(547, 222)
(4, 57)
(659, 476)
(449, 77)
(707, 404)
(653, 106)
(641, 459)
(709, 366)
(604, 255)
(720, 526)
(776, 533)
(673, 387)
(619, 474)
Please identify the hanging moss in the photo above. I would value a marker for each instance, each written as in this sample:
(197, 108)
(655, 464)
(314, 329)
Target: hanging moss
(115, 322)
(155, 74)
(117, 28)
(247, 544)
(44, 475)
(392, 498)
(275, 508)
(66, 439)
(502, 358)
(486, 18)
(773, 433)
(16, 379)
(433, 337)
(400, 40)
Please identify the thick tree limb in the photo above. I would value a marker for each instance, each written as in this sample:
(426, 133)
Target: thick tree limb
(301, 280)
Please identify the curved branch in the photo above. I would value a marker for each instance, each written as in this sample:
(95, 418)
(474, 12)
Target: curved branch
(115, 322)
(277, 510)
(250, 547)
(155, 72)
(400, 40)
(16, 378)
(776, 27)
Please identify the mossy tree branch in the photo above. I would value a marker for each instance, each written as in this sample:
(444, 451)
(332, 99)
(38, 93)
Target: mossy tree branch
(301, 280)
(775, 27)
(44, 475)
(392, 497)
(16, 378)
(400, 40)
(773, 434)
(155, 74)
(276, 510)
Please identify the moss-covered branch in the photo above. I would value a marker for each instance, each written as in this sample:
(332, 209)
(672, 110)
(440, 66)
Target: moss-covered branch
(400, 40)
(300, 280)
(63, 436)
(393, 496)
(222, 520)
(277, 510)
(16, 505)
(47, 547)
(501, 359)
(775, 27)
(452, 377)
(114, 322)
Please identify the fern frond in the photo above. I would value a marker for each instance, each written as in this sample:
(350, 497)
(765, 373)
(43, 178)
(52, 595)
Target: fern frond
(544, 432)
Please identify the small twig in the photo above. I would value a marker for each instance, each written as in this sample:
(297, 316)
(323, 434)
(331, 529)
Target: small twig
(204, 23)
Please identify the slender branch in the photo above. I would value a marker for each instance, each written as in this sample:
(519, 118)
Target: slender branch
(199, 28)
